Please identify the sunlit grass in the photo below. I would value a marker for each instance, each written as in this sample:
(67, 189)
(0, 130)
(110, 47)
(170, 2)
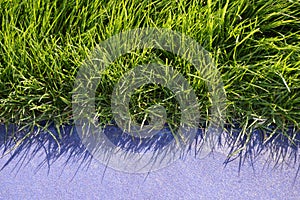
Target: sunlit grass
(255, 45)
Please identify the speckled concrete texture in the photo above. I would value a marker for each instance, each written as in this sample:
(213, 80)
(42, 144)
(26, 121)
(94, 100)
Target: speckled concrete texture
(39, 171)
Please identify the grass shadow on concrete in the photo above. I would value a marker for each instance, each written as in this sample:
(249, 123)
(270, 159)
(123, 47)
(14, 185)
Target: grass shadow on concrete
(277, 150)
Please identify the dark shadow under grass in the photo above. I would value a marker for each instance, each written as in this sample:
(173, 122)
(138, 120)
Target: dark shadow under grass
(277, 151)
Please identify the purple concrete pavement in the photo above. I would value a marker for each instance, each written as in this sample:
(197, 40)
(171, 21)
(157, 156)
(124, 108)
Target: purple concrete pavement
(38, 170)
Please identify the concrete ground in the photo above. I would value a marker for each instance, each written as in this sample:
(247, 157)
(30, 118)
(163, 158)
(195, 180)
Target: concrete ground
(35, 172)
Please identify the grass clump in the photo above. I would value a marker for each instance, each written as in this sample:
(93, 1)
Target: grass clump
(255, 45)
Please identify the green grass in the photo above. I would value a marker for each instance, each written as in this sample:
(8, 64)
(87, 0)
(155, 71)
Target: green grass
(255, 45)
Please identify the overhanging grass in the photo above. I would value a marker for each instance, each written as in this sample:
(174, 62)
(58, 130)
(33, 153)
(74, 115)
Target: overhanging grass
(255, 45)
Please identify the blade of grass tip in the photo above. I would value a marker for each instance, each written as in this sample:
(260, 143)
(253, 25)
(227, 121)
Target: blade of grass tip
(283, 80)
(237, 140)
(18, 143)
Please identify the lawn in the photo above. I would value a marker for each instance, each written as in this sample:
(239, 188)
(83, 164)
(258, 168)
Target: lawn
(255, 46)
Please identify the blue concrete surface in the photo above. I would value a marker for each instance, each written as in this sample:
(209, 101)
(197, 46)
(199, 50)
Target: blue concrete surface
(40, 169)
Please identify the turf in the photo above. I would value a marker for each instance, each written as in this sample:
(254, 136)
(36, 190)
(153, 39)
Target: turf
(254, 44)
